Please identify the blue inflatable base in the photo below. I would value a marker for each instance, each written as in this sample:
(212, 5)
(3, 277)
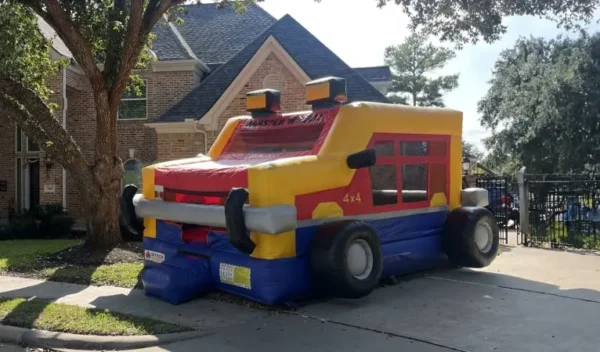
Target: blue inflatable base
(179, 273)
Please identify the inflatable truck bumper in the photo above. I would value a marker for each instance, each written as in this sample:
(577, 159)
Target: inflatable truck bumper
(185, 261)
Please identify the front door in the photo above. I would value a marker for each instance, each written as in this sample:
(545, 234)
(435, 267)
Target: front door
(32, 183)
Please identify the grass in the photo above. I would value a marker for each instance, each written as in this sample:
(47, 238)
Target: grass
(23, 254)
(122, 275)
(40, 314)
(25, 258)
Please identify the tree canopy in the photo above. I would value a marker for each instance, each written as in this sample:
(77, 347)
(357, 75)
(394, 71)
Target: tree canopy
(469, 148)
(108, 40)
(469, 21)
(543, 104)
(413, 64)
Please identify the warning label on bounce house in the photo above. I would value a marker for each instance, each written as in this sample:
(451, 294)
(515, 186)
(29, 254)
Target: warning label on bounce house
(235, 275)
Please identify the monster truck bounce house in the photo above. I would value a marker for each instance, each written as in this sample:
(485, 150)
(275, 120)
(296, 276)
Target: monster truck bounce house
(320, 202)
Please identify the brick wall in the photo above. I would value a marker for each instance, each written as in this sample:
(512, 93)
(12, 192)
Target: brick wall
(292, 91)
(180, 145)
(165, 89)
(7, 165)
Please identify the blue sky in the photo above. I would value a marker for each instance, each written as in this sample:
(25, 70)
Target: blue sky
(358, 32)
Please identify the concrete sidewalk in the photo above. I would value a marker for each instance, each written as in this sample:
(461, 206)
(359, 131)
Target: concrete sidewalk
(199, 314)
(527, 300)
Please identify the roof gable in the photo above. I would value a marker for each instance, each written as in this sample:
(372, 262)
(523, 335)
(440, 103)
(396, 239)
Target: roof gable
(312, 56)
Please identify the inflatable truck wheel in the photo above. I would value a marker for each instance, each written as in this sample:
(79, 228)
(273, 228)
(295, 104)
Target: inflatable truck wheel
(346, 259)
(471, 237)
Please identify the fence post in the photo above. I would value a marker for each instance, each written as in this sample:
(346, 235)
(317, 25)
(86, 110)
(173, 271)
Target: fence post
(523, 203)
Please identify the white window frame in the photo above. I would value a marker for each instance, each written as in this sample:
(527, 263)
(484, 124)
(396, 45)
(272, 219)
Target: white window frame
(135, 99)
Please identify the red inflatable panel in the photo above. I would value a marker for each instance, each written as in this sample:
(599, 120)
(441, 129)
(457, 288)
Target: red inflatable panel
(254, 141)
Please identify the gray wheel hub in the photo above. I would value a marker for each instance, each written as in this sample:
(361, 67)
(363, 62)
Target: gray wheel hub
(484, 236)
(359, 259)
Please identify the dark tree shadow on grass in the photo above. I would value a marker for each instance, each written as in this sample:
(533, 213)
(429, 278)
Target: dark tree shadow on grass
(74, 265)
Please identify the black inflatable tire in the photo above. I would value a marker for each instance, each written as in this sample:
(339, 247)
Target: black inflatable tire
(459, 237)
(329, 263)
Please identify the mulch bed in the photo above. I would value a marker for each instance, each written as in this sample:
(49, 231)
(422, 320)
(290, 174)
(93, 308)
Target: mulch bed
(128, 252)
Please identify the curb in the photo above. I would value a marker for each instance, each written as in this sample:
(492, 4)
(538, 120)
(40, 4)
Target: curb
(49, 339)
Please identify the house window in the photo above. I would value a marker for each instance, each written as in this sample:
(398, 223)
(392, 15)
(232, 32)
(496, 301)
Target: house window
(134, 106)
(32, 146)
(132, 174)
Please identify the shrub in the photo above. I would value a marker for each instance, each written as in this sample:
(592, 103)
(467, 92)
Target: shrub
(45, 221)
(25, 226)
(6, 233)
(56, 226)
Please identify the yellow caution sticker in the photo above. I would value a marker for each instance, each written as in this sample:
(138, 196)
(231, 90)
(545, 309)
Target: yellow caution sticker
(235, 275)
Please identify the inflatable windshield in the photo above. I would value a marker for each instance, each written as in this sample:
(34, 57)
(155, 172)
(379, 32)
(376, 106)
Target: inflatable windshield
(321, 202)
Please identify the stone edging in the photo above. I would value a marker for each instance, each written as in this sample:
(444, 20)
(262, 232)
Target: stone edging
(48, 339)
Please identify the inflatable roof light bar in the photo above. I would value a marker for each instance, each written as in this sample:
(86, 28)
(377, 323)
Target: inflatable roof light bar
(264, 102)
(326, 92)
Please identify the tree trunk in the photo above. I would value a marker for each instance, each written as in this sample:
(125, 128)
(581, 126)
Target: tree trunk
(102, 205)
(102, 197)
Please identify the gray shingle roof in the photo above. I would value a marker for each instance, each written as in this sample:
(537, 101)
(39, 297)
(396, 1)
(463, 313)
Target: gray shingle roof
(308, 52)
(166, 46)
(375, 74)
(216, 35)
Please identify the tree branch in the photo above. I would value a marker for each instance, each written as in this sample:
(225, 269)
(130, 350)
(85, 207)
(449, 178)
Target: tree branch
(58, 19)
(137, 37)
(24, 107)
(114, 45)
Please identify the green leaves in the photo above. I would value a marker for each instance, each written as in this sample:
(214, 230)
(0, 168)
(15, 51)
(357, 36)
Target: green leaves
(24, 52)
(413, 64)
(543, 105)
(470, 21)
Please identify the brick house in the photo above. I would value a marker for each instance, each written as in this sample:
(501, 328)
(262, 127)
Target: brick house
(203, 70)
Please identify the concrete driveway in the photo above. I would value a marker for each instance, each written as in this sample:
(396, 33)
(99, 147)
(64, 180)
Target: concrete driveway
(528, 300)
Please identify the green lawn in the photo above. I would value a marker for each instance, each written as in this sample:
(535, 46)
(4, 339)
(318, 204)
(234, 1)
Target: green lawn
(22, 257)
(23, 254)
(121, 275)
(40, 314)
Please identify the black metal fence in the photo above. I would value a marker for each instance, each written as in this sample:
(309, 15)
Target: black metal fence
(503, 201)
(564, 211)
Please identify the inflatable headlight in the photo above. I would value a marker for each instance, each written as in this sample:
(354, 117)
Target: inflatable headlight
(263, 102)
(326, 92)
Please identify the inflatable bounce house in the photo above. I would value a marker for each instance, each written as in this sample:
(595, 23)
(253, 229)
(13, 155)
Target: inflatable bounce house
(304, 204)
